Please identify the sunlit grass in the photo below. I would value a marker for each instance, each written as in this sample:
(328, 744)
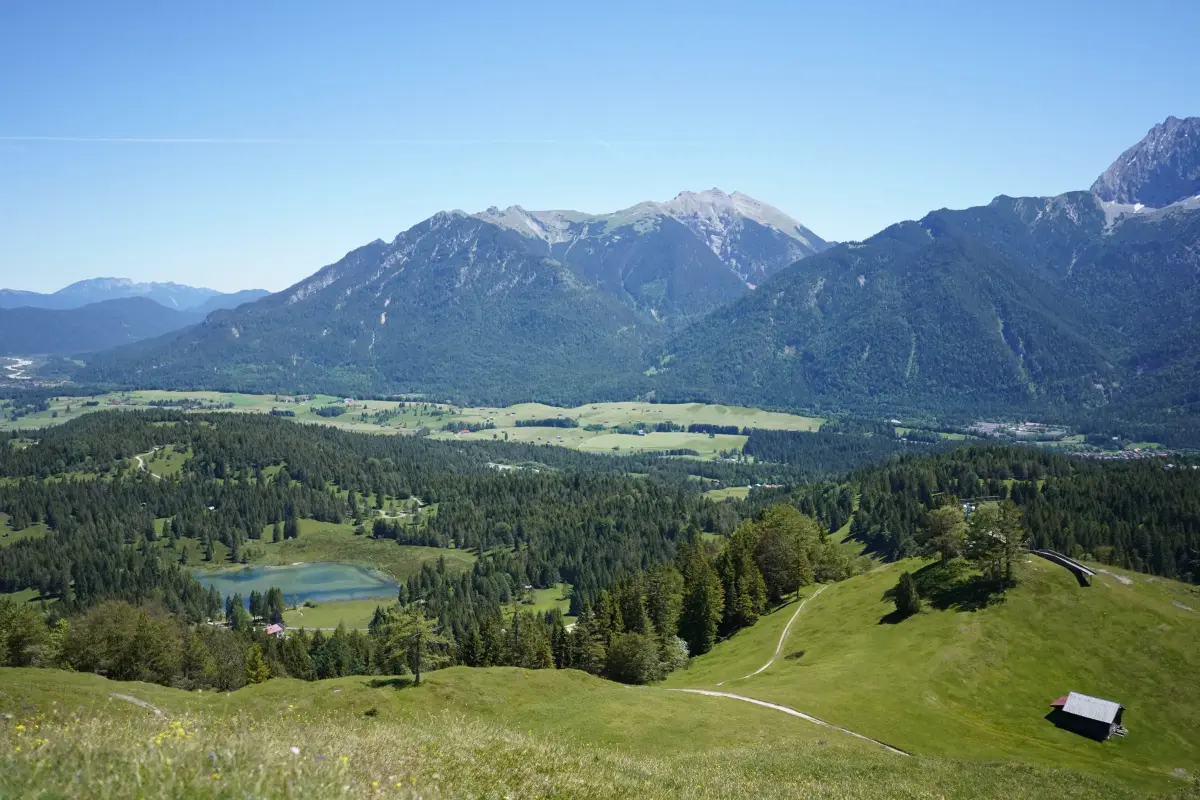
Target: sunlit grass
(466, 733)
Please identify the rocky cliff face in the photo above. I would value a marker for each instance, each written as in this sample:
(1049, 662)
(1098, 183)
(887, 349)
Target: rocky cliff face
(1163, 168)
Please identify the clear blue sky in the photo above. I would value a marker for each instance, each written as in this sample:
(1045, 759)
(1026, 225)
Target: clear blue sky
(322, 126)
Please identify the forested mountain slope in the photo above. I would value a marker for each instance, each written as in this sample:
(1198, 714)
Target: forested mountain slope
(501, 306)
(454, 305)
(1025, 304)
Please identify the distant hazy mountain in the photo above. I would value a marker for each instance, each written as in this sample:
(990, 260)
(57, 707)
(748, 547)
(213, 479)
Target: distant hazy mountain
(455, 305)
(1161, 169)
(94, 290)
(96, 326)
(676, 260)
(231, 300)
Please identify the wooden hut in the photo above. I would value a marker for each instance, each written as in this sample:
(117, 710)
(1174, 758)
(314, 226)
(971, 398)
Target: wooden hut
(1088, 716)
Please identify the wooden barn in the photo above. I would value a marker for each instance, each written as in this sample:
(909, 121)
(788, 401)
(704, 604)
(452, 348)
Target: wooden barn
(1088, 716)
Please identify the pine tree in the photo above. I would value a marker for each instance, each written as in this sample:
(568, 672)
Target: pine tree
(256, 668)
(415, 640)
(291, 525)
(945, 532)
(906, 596)
(703, 601)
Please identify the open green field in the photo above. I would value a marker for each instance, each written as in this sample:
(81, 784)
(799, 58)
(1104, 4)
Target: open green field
(498, 732)
(388, 416)
(704, 444)
(166, 462)
(977, 684)
(731, 493)
(330, 541)
(351, 613)
(542, 600)
(9, 536)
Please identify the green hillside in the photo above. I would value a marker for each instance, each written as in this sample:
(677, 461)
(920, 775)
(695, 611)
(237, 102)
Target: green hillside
(977, 685)
(463, 733)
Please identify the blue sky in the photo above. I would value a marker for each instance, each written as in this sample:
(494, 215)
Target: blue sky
(317, 127)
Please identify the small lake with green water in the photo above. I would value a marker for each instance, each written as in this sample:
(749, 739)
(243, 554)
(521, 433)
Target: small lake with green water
(322, 582)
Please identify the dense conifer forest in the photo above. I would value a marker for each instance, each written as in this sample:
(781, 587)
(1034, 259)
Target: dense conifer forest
(658, 572)
(1142, 515)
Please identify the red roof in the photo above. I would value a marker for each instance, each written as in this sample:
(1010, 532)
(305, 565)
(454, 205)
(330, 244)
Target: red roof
(1060, 702)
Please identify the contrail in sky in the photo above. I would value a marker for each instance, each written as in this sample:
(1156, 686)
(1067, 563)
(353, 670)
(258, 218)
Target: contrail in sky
(356, 142)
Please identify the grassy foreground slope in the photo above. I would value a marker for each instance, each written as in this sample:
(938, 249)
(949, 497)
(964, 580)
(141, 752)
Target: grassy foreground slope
(465, 733)
(977, 684)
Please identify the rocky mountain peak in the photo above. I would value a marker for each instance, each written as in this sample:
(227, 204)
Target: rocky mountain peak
(1163, 168)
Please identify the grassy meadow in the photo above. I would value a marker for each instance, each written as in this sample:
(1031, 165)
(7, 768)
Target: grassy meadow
(499, 732)
(329, 541)
(976, 684)
(9, 536)
(730, 493)
(542, 600)
(388, 417)
(351, 613)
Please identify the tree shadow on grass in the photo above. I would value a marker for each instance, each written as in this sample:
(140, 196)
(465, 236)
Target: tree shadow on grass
(955, 585)
(393, 682)
(894, 617)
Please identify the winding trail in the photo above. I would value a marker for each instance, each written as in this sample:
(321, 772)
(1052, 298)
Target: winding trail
(137, 702)
(794, 713)
(787, 709)
(782, 638)
(142, 467)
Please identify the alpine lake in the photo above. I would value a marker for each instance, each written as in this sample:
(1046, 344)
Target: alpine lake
(324, 582)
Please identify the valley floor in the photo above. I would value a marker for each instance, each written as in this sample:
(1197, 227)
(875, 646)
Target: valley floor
(390, 417)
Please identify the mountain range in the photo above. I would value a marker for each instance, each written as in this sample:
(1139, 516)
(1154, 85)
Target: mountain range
(94, 290)
(503, 305)
(1080, 301)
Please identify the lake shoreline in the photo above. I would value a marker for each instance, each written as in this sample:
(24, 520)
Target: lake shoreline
(320, 582)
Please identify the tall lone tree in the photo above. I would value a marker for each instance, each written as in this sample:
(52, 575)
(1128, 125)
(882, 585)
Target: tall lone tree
(907, 599)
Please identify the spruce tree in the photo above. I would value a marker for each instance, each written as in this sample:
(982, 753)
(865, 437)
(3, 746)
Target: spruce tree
(907, 599)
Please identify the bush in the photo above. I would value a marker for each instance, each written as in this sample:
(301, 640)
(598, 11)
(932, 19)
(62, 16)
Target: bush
(633, 658)
(675, 654)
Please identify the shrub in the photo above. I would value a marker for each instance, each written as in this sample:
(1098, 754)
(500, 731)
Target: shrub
(633, 658)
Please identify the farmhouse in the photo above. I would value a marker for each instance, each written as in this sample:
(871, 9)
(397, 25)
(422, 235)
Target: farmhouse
(275, 630)
(1088, 716)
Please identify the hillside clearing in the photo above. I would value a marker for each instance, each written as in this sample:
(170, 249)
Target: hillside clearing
(977, 684)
